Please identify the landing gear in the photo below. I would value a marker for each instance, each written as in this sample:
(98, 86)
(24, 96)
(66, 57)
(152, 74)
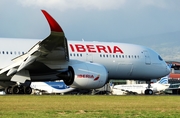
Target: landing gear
(8, 90)
(18, 89)
(15, 90)
(27, 90)
(148, 91)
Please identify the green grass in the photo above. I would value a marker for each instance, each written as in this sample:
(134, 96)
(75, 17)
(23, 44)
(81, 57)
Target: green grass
(80, 106)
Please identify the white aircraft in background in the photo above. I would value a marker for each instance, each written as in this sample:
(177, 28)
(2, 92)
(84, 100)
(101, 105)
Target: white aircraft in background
(51, 87)
(80, 64)
(159, 86)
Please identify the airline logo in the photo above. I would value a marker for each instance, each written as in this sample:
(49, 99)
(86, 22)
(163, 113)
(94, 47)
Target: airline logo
(95, 48)
(88, 76)
(85, 76)
(164, 80)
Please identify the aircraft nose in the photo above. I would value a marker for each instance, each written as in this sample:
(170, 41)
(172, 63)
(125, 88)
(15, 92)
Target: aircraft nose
(163, 69)
(166, 69)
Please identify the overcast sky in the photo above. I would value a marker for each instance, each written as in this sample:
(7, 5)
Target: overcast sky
(153, 23)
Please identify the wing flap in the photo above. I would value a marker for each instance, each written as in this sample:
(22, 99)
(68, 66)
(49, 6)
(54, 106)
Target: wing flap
(27, 62)
(21, 76)
(16, 64)
(11, 71)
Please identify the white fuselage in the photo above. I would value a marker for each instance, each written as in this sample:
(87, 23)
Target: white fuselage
(122, 61)
(138, 88)
(51, 87)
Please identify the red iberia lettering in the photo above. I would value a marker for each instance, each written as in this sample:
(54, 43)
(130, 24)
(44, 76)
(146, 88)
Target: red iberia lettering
(90, 48)
(95, 48)
(80, 48)
(72, 48)
(109, 49)
(117, 49)
(85, 76)
(101, 48)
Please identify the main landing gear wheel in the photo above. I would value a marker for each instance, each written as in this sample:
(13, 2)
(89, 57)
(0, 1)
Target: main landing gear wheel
(18, 89)
(8, 90)
(27, 90)
(148, 92)
(15, 90)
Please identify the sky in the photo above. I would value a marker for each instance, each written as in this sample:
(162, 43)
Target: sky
(152, 23)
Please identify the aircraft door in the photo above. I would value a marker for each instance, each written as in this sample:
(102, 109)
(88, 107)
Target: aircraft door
(147, 57)
(89, 57)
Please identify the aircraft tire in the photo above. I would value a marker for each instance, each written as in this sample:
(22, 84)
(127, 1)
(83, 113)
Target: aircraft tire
(27, 90)
(8, 90)
(21, 89)
(15, 90)
(148, 92)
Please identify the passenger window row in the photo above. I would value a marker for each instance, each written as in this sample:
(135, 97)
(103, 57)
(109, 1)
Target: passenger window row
(108, 56)
(118, 56)
(12, 53)
(76, 55)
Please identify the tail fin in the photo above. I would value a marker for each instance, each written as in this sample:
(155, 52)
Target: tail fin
(164, 80)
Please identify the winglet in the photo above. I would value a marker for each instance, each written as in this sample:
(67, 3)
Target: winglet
(52, 23)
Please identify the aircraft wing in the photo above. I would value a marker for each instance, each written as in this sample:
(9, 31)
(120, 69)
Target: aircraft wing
(45, 49)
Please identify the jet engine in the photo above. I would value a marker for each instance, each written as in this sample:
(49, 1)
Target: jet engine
(85, 75)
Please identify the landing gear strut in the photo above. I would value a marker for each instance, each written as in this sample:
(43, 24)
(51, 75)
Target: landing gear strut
(148, 91)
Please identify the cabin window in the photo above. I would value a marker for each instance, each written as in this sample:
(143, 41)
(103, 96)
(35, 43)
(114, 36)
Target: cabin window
(160, 58)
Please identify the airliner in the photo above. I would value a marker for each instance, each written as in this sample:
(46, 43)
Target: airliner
(157, 87)
(56, 87)
(80, 64)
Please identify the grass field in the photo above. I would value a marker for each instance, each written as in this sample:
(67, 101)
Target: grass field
(83, 106)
